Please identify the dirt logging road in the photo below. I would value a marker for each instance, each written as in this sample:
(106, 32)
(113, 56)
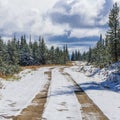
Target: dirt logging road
(61, 99)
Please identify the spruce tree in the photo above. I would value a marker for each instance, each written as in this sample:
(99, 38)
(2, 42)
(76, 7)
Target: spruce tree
(73, 56)
(2, 57)
(78, 56)
(90, 55)
(42, 51)
(51, 55)
(13, 53)
(113, 32)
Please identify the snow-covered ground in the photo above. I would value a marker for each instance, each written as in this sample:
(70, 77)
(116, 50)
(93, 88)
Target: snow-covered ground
(16, 95)
(102, 86)
(62, 103)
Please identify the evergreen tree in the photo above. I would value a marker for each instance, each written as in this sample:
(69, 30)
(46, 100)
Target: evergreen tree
(36, 54)
(90, 55)
(42, 51)
(19, 52)
(65, 54)
(2, 57)
(113, 39)
(12, 52)
(118, 45)
(78, 56)
(84, 56)
(73, 56)
(57, 56)
(51, 55)
(25, 58)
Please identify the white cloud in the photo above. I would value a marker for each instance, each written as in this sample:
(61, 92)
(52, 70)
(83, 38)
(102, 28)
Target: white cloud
(118, 1)
(82, 13)
(83, 18)
(32, 16)
(89, 10)
(22, 16)
(42, 6)
(47, 28)
(81, 33)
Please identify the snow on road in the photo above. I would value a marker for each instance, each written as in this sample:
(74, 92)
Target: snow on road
(16, 95)
(108, 101)
(62, 103)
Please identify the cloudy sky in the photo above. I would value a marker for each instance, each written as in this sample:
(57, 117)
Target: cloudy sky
(75, 22)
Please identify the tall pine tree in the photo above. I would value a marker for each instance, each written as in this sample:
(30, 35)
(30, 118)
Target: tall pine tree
(113, 31)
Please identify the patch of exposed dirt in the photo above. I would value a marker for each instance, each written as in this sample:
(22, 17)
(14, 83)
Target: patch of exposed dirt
(62, 109)
(1, 85)
(63, 103)
(35, 110)
(89, 110)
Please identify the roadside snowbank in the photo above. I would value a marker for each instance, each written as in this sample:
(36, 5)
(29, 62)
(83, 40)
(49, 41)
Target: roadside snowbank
(109, 76)
(102, 86)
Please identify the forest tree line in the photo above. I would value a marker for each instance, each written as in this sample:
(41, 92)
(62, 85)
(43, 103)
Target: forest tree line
(107, 51)
(17, 53)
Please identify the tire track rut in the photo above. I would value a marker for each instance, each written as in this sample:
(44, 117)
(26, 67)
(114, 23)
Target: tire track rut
(35, 110)
(89, 110)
